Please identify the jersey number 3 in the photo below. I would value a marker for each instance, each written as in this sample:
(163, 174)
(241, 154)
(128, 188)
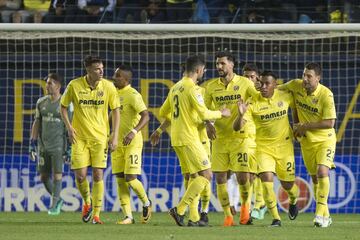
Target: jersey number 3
(176, 105)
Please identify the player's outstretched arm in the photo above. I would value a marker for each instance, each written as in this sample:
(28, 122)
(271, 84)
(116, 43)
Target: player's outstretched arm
(301, 128)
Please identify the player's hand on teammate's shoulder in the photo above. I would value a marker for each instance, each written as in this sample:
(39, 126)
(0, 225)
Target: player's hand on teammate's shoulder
(33, 150)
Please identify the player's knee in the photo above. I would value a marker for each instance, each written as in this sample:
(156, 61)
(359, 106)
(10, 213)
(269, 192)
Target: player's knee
(206, 174)
(130, 177)
(44, 177)
(287, 185)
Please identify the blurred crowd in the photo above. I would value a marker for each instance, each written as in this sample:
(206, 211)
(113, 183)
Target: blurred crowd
(180, 11)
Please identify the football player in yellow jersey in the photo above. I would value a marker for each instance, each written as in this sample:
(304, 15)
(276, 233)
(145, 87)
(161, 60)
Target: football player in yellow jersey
(185, 105)
(194, 218)
(126, 160)
(92, 96)
(230, 150)
(315, 131)
(274, 140)
(251, 71)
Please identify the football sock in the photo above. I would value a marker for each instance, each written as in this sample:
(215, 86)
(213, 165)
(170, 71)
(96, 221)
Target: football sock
(293, 194)
(315, 187)
(98, 194)
(245, 195)
(223, 197)
(124, 196)
(84, 189)
(258, 190)
(270, 199)
(205, 198)
(56, 192)
(193, 207)
(195, 188)
(138, 188)
(48, 184)
(322, 197)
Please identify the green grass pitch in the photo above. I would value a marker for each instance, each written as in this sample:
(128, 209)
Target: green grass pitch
(68, 226)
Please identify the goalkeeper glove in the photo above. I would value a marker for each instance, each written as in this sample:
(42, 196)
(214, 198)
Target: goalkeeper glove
(32, 149)
(67, 155)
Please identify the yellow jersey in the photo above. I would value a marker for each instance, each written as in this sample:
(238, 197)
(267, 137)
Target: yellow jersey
(131, 104)
(315, 107)
(186, 105)
(218, 96)
(90, 118)
(270, 116)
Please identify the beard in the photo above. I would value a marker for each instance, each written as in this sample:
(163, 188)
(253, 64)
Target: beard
(200, 80)
(222, 74)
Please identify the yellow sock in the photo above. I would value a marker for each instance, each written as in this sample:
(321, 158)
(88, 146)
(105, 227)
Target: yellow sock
(258, 191)
(98, 195)
(193, 207)
(293, 194)
(223, 197)
(245, 194)
(124, 196)
(270, 199)
(315, 187)
(195, 188)
(138, 188)
(84, 189)
(322, 197)
(205, 198)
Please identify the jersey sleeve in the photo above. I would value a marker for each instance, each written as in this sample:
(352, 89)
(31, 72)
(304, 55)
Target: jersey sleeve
(165, 109)
(251, 91)
(329, 111)
(67, 97)
(207, 98)
(138, 103)
(37, 111)
(114, 101)
(197, 101)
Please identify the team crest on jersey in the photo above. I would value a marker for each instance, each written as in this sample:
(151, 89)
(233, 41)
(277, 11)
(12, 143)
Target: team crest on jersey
(121, 99)
(280, 104)
(205, 162)
(100, 93)
(315, 101)
(236, 88)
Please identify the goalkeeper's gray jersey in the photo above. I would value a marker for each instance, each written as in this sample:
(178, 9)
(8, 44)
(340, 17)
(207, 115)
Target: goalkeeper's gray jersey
(52, 135)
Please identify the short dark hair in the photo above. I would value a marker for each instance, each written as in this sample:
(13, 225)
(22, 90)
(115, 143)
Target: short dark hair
(250, 67)
(268, 73)
(193, 62)
(89, 60)
(124, 67)
(226, 54)
(56, 77)
(314, 66)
